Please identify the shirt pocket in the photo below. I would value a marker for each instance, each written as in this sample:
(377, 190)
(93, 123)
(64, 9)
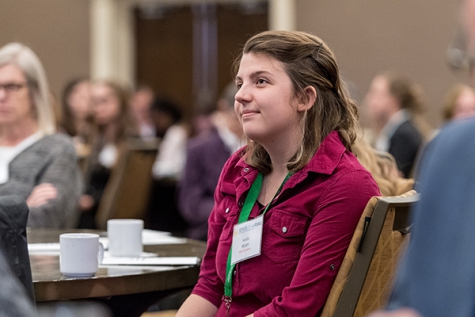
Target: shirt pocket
(229, 212)
(285, 236)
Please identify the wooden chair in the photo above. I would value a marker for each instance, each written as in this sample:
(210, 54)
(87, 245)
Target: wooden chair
(365, 277)
(128, 188)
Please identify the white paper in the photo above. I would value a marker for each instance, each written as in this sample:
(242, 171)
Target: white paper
(182, 260)
(53, 248)
(43, 247)
(149, 237)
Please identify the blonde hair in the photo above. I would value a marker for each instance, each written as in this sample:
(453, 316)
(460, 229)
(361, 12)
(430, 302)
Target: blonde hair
(382, 166)
(27, 61)
(308, 61)
(450, 102)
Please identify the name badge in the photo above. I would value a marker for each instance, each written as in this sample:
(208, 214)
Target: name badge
(247, 238)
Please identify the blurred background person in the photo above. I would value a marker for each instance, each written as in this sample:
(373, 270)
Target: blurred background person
(205, 157)
(162, 211)
(113, 125)
(76, 114)
(436, 275)
(459, 103)
(382, 167)
(35, 162)
(394, 104)
(141, 103)
(167, 118)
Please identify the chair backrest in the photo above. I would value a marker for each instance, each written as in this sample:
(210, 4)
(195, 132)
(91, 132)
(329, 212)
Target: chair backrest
(127, 190)
(13, 243)
(366, 275)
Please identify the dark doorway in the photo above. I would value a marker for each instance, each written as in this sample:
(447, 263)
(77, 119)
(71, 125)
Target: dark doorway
(183, 50)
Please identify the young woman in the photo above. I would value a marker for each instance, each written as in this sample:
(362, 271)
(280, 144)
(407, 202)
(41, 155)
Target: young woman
(296, 190)
(113, 125)
(76, 108)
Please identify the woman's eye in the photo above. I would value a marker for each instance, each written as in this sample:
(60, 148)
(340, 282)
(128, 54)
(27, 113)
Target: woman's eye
(261, 81)
(238, 86)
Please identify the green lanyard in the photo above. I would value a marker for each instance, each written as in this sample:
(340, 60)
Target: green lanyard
(243, 217)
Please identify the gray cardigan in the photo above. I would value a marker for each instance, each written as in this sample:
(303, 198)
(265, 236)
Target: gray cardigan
(53, 160)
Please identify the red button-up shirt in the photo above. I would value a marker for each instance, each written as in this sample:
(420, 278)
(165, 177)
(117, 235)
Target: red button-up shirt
(306, 232)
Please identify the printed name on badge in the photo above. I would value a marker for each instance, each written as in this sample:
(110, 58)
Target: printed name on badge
(247, 239)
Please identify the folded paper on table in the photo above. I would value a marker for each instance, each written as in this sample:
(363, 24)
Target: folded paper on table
(142, 255)
(43, 247)
(178, 260)
(149, 237)
(53, 248)
(155, 232)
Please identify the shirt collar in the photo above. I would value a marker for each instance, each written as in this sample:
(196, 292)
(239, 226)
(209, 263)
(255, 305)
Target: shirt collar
(328, 155)
(324, 161)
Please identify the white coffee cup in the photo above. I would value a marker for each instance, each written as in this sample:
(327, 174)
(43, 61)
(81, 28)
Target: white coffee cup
(80, 254)
(125, 237)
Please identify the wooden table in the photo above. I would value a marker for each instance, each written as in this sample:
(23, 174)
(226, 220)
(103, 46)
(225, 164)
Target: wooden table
(127, 291)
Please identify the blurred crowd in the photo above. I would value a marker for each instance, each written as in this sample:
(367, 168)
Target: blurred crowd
(59, 152)
(60, 155)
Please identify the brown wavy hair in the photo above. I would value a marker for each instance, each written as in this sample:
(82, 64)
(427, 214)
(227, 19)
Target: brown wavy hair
(411, 97)
(126, 123)
(308, 61)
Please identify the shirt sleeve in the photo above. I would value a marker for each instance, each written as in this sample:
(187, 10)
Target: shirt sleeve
(196, 201)
(326, 242)
(209, 285)
(63, 173)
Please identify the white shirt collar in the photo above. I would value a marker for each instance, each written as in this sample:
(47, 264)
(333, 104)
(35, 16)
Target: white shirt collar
(8, 153)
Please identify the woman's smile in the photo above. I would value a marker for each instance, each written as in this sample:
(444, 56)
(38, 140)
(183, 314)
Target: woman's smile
(245, 114)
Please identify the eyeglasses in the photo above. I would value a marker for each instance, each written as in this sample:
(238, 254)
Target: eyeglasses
(12, 87)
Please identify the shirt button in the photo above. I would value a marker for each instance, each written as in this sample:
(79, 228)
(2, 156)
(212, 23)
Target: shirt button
(227, 210)
(240, 204)
(284, 229)
(246, 169)
(234, 272)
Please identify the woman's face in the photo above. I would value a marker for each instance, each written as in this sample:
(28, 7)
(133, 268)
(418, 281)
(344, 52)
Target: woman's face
(15, 102)
(381, 104)
(465, 105)
(265, 102)
(106, 104)
(79, 100)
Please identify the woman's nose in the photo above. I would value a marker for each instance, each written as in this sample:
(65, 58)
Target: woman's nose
(242, 95)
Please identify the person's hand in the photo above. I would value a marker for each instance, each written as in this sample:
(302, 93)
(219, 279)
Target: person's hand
(86, 202)
(41, 194)
(402, 312)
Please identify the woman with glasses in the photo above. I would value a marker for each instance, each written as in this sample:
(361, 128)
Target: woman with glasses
(35, 162)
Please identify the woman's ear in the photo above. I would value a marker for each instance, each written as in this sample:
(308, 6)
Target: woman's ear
(308, 99)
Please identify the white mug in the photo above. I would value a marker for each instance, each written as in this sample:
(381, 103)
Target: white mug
(125, 237)
(80, 254)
